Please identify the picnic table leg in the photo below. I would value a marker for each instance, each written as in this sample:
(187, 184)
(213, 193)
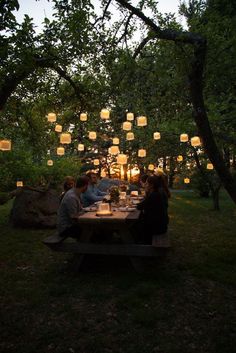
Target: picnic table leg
(127, 238)
(85, 238)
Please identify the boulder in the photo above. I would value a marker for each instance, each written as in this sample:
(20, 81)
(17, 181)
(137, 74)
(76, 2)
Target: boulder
(35, 208)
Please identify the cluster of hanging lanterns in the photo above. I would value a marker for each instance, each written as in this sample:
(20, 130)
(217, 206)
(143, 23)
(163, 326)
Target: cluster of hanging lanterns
(141, 121)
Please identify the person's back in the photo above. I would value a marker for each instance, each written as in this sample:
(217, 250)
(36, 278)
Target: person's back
(69, 209)
(154, 211)
(69, 204)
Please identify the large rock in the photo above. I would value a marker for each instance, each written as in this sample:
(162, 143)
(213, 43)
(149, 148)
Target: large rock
(35, 208)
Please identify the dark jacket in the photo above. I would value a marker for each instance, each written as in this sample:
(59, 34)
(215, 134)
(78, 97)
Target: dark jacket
(154, 213)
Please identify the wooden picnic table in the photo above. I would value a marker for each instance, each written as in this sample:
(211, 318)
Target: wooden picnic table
(119, 222)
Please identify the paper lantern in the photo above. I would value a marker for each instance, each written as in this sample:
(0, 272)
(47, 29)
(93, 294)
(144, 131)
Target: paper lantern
(104, 209)
(130, 116)
(51, 117)
(105, 114)
(141, 120)
(130, 136)
(186, 180)
(83, 117)
(195, 141)
(80, 147)
(19, 184)
(210, 166)
(121, 159)
(5, 145)
(180, 158)
(96, 162)
(151, 167)
(122, 195)
(156, 135)
(127, 125)
(58, 128)
(65, 138)
(49, 162)
(142, 153)
(183, 138)
(114, 150)
(115, 141)
(92, 135)
(60, 151)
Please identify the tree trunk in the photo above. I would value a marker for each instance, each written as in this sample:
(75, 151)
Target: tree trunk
(201, 119)
(216, 200)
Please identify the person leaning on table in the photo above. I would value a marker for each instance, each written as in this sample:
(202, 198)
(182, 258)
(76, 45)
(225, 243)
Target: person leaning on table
(92, 194)
(70, 206)
(154, 211)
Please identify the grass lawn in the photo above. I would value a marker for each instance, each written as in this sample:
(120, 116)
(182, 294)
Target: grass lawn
(186, 303)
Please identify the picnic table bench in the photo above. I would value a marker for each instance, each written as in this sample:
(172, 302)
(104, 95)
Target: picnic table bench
(120, 222)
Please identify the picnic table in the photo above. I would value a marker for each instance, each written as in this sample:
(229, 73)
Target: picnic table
(119, 222)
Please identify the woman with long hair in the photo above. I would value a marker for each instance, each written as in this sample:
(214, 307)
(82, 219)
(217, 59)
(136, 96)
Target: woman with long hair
(154, 210)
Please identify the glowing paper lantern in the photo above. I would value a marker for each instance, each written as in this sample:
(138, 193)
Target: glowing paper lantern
(183, 138)
(83, 117)
(5, 145)
(80, 147)
(127, 125)
(186, 180)
(156, 135)
(114, 150)
(105, 114)
(151, 167)
(180, 158)
(210, 166)
(141, 120)
(65, 138)
(195, 141)
(96, 162)
(19, 184)
(58, 128)
(60, 151)
(92, 135)
(142, 153)
(51, 117)
(121, 159)
(115, 141)
(130, 136)
(130, 116)
(49, 162)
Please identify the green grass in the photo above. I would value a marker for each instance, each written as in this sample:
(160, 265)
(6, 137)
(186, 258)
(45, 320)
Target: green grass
(183, 303)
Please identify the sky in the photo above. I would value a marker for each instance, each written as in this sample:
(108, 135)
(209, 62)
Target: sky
(39, 9)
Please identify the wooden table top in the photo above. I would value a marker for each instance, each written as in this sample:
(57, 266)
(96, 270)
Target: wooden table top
(116, 217)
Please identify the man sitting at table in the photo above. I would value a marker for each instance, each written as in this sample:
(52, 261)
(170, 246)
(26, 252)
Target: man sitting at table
(67, 217)
(92, 194)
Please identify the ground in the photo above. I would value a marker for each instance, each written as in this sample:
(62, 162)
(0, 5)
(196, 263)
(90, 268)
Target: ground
(186, 302)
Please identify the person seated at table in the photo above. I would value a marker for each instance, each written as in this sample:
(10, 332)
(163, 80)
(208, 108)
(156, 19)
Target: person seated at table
(164, 183)
(70, 207)
(154, 211)
(143, 180)
(69, 182)
(93, 194)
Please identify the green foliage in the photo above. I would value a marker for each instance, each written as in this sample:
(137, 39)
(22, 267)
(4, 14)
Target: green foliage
(20, 165)
(200, 184)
